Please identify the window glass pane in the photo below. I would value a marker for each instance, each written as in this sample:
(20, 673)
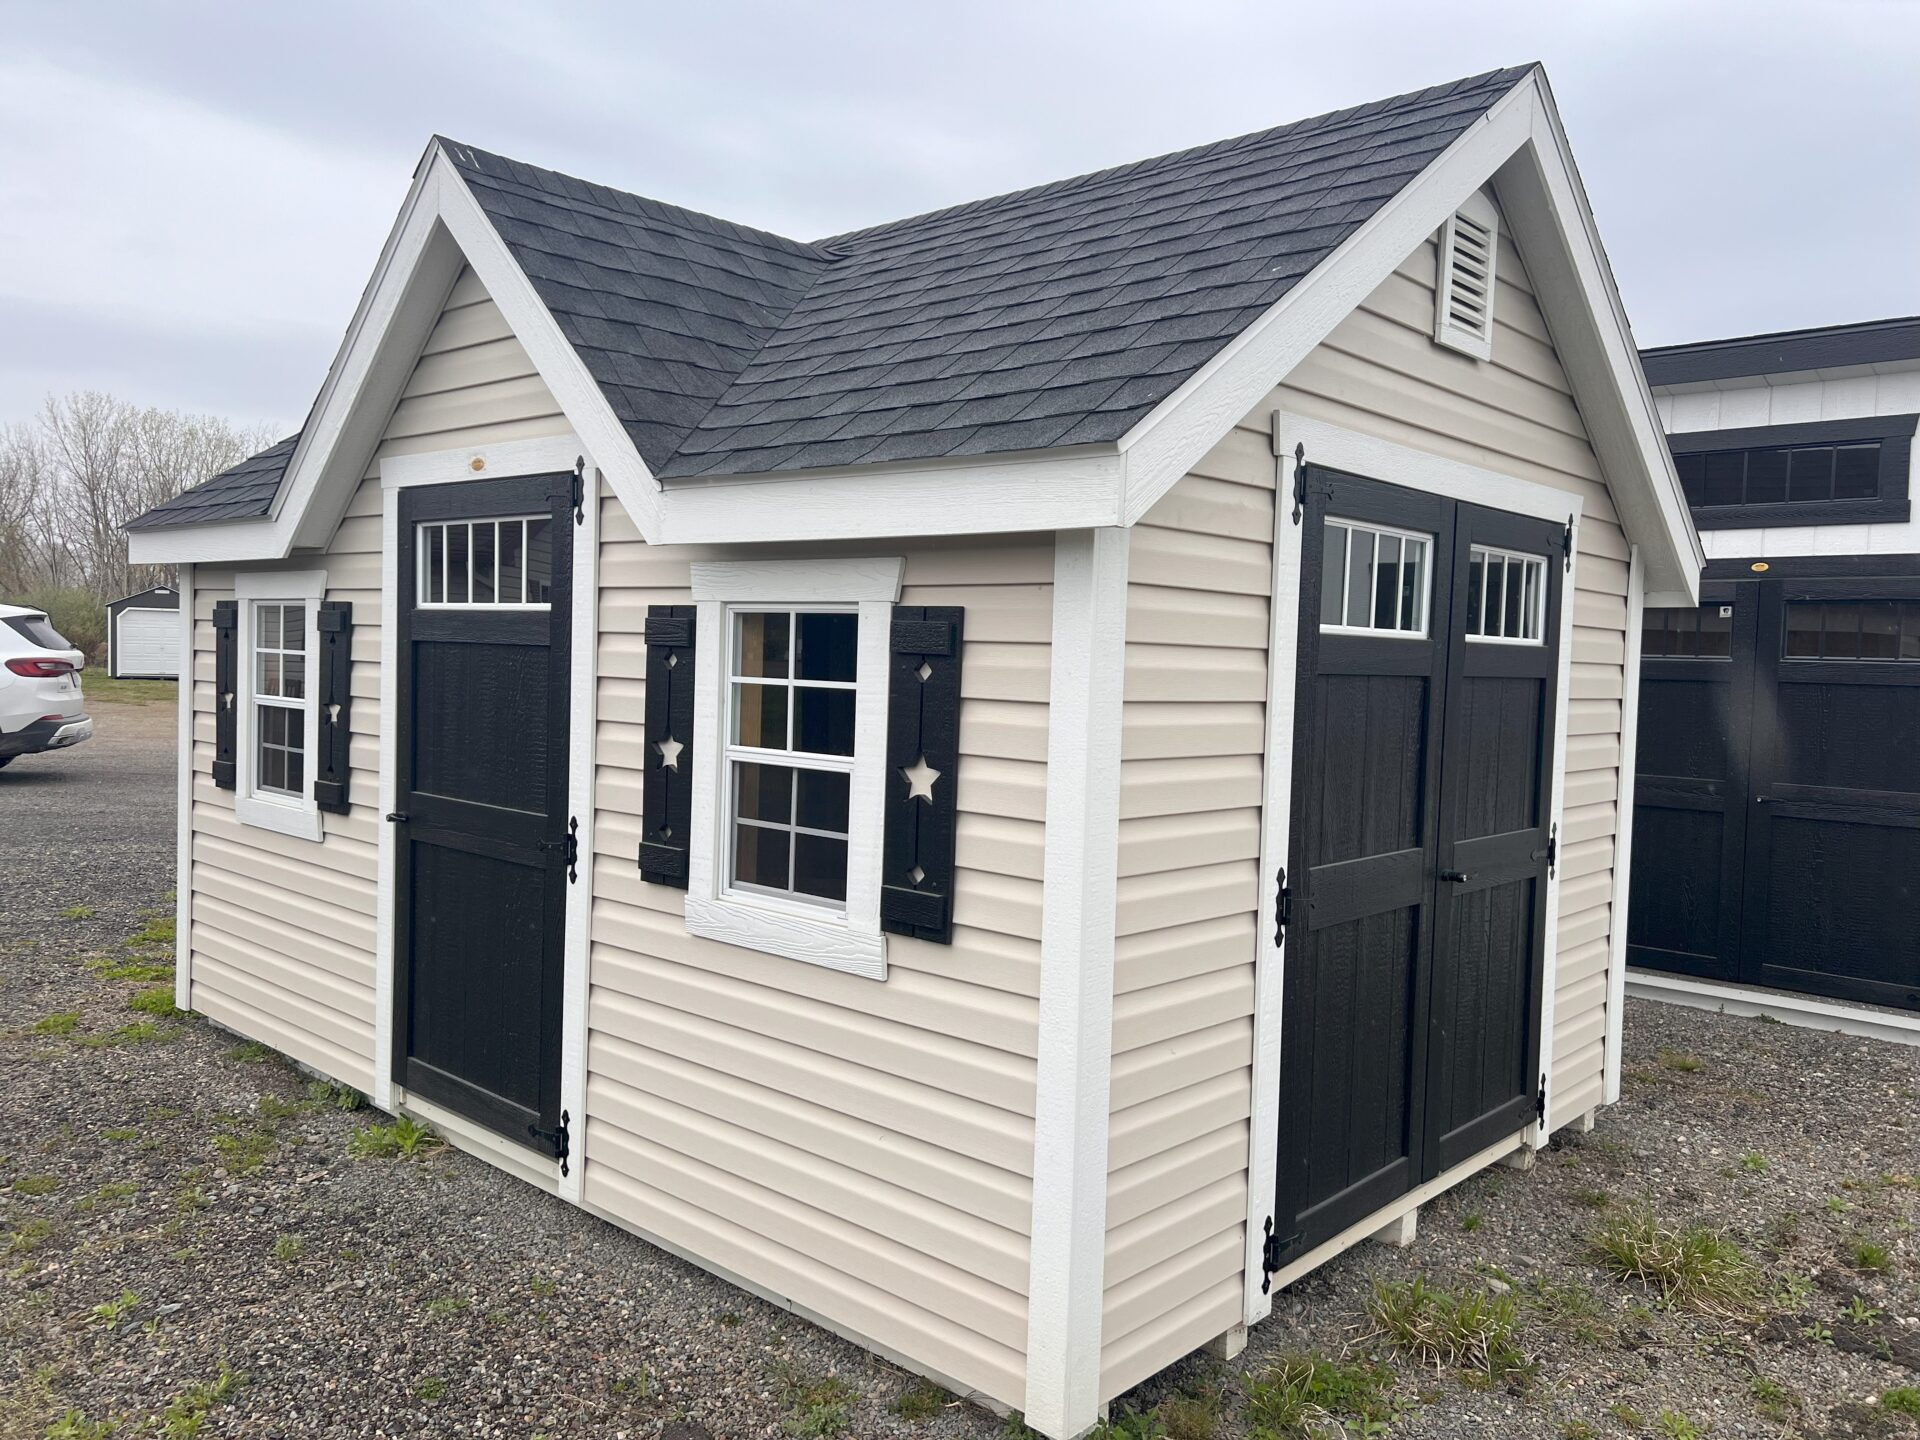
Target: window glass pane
(1841, 640)
(1333, 573)
(457, 537)
(760, 644)
(1413, 586)
(1692, 470)
(1495, 604)
(1716, 631)
(1856, 472)
(823, 721)
(273, 724)
(1803, 630)
(293, 677)
(1530, 610)
(1653, 631)
(273, 768)
(1684, 637)
(1386, 583)
(1910, 630)
(760, 856)
(1880, 630)
(1516, 596)
(436, 563)
(293, 627)
(763, 792)
(266, 626)
(1359, 577)
(268, 667)
(483, 558)
(760, 716)
(1476, 591)
(1766, 477)
(540, 561)
(822, 800)
(513, 541)
(820, 867)
(296, 728)
(829, 647)
(1810, 474)
(1721, 482)
(297, 772)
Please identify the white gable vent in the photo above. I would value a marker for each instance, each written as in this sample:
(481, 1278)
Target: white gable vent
(1463, 309)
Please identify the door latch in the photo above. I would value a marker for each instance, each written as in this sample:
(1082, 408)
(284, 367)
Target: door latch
(1455, 877)
(398, 817)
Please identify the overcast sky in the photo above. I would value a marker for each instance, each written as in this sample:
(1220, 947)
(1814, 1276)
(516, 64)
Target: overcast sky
(193, 194)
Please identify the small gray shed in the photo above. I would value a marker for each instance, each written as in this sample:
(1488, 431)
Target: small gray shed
(143, 635)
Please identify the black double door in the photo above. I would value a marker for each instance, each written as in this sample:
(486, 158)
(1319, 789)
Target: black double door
(1419, 852)
(1777, 794)
(483, 850)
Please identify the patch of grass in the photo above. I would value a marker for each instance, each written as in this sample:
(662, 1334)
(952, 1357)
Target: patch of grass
(403, 1139)
(447, 1306)
(543, 1286)
(107, 690)
(143, 970)
(1626, 1415)
(77, 912)
(1131, 1425)
(1837, 1206)
(64, 1022)
(1771, 1399)
(1672, 1425)
(112, 1312)
(334, 1097)
(141, 1032)
(154, 1000)
(1902, 1400)
(289, 1247)
(1592, 1199)
(108, 1195)
(120, 1135)
(639, 1386)
(29, 1237)
(1473, 1329)
(1570, 1308)
(243, 1148)
(1303, 1395)
(431, 1388)
(1679, 1060)
(187, 1411)
(74, 1425)
(252, 1052)
(922, 1400)
(1754, 1163)
(1868, 1254)
(819, 1407)
(1693, 1266)
(1576, 1430)
(1471, 1223)
(1190, 1417)
(157, 931)
(34, 1184)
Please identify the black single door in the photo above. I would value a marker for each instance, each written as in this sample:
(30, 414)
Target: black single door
(1364, 838)
(1496, 797)
(484, 620)
(1833, 829)
(1690, 790)
(1423, 762)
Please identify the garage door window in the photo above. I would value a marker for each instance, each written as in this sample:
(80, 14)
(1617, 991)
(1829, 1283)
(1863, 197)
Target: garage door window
(1374, 581)
(1853, 630)
(1687, 633)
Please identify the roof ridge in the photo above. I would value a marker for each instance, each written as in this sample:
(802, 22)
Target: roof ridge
(831, 243)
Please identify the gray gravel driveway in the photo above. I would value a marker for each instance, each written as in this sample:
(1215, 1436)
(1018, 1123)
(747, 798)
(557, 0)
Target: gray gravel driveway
(193, 1247)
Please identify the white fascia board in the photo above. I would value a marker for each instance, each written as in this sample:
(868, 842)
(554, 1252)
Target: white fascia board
(205, 544)
(1166, 443)
(1076, 489)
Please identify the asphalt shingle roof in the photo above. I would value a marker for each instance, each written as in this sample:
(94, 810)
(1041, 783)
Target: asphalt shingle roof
(1054, 316)
(240, 492)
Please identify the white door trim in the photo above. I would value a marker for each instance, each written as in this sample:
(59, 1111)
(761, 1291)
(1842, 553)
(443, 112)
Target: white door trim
(1394, 464)
(183, 803)
(495, 462)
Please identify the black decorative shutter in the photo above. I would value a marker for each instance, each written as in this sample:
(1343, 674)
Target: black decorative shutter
(923, 730)
(667, 799)
(226, 635)
(330, 772)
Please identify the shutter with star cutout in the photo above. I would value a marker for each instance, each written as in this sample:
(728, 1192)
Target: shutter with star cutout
(923, 761)
(667, 797)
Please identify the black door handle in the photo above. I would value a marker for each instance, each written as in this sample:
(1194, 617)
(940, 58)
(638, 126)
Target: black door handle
(1763, 799)
(1455, 877)
(398, 817)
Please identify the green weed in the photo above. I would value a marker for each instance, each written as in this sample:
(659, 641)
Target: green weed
(289, 1247)
(74, 1425)
(1902, 1400)
(1867, 1254)
(154, 1000)
(1672, 1425)
(403, 1139)
(1771, 1399)
(1679, 1060)
(141, 1032)
(62, 1023)
(1753, 1163)
(1131, 1425)
(335, 1097)
(252, 1052)
(187, 1411)
(819, 1407)
(1592, 1199)
(29, 1237)
(112, 1312)
(77, 912)
(120, 1135)
(1473, 1330)
(34, 1184)
(1693, 1265)
(432, 1388)
(447, 1306)
(1301, 1395)
(922, 1400)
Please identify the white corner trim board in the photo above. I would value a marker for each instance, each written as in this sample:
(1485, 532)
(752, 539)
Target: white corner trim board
(1073, 1079)
(1623, 834)
(297, 816)
(183, 806)
(1369, 456)
(852, 940)
(582, 728)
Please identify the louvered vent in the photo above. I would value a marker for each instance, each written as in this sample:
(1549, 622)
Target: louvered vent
(1463, 315)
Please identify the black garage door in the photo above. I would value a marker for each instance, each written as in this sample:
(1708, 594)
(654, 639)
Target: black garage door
(1777, 805)
(1419, 850)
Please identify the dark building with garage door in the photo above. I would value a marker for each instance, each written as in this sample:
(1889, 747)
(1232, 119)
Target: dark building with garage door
(1778, 794)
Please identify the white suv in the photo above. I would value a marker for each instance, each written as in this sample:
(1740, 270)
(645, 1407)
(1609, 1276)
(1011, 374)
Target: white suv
(40, 703)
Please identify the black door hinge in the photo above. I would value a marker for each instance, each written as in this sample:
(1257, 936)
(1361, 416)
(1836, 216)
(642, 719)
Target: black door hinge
(559, 1140)
(1551, 851)
(569, 845)
(1566, 545)
(1274, 1247)
(1282, 908)
(580, 490)
(1540, 1102)
(1299, 482)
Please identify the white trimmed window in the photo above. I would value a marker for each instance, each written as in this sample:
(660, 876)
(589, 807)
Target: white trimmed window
(1374, 580)
(1506, 597)
(276, 723)
(790, 740)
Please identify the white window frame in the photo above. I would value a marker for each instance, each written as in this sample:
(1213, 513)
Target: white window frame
(1370, 527)
(848, 939)
(420, 571)
(1537, 619)
(295, 815)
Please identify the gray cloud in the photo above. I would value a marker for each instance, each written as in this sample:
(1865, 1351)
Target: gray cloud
(194, 194)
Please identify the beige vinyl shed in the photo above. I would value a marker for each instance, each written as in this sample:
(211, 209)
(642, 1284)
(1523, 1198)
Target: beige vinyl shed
(1011, 781)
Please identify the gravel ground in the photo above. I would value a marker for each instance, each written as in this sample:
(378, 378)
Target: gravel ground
(206, 1200)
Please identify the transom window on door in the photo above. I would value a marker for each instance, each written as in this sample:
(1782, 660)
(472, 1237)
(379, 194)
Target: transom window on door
(1703, 632)
(1506, 596)
(790, 742)
(486, 562)
(1374, 580)
(1853, 630)
(280, 698)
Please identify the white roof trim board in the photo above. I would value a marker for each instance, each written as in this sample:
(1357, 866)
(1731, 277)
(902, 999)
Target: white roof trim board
(1517, 145)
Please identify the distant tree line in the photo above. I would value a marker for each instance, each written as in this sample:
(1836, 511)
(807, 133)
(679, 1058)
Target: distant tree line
(78, 471)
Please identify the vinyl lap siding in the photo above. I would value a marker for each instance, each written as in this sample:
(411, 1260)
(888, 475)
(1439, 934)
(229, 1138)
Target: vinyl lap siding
(860, 1149)
(283, 930)
(1193, 731)
(1380, 372)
